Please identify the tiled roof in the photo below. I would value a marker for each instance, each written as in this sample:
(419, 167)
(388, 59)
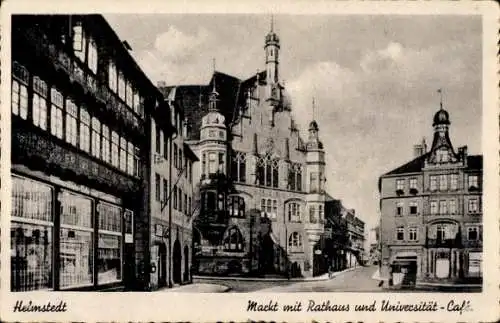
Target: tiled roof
(193, 100)
(413, 166)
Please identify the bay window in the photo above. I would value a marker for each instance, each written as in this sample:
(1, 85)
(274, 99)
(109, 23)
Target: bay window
(212, 162)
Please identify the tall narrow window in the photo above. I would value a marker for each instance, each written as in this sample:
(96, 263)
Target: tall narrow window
(433, 182)
(212, 163)
(413, 234)
(84, 130)
(175, 156)
(175, 197)
(181, 166)
(96, 137)
(203, 164)
(56, 114)
(314, 182)
(434, 207)
(158, 139)
(20, 90)
(39, 103)
(275, 166)
(79, 41)
(413, 208)
(121, 85)
(400, 233)
(157, 187)
(112, 76)
(453, 206)
(130, 158)
(473, 181)
(312, 214)
(92, 62)
(454, 181)
(165, 147)
(443, 209)
(137, 161)
(443, 182)
(123, 154)
(129, 95)
(71, 123)
(115, 146)
(137, 102)
(399, 208)
(165, 191)
(238, 167)
(105, 144)
(473, 206)
(110, 243)
(222, 164)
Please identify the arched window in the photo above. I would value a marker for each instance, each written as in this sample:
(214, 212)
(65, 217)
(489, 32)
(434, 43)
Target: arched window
(268, 171)
(295, 242)
(233, 240)
(236, 206)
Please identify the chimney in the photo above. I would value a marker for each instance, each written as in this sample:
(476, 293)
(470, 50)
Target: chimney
(418, 150)
(462, 151)
(161, 84)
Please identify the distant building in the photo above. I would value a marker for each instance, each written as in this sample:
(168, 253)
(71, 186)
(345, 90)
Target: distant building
(374, 246)
(356, 238)
(431, 223)
(261, 186)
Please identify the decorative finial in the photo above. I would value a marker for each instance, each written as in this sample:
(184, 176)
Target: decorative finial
(440, 91)
(272, 23)
(314, 108)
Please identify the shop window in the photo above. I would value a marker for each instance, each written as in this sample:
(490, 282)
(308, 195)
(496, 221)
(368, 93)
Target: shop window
(31, 244)
(295, 242)
(109, 248)
(76, 241)
(40, 94)
(19, 93)
(233, 240)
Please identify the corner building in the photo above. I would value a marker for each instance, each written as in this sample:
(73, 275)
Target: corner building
(431, 213)
(80, 126)
(260, 186)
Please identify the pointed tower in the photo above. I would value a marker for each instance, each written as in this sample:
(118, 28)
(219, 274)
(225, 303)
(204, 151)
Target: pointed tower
(273, 92)
(213, 136)
(315, 198)
(442, 149)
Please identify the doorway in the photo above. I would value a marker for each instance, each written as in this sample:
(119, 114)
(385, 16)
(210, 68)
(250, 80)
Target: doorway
(177, 262)
(187, 268)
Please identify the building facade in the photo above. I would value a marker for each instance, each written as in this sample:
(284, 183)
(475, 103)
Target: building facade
(431, 223)
(356, 238)
(260, 186)
(171, 184)
(80, 126)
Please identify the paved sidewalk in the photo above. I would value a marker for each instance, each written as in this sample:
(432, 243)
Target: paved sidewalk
(301, 279)
(197, 288)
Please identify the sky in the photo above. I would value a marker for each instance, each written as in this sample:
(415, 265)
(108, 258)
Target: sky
(374, 79)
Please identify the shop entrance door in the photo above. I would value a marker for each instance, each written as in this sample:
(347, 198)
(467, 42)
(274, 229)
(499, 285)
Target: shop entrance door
(177, 261)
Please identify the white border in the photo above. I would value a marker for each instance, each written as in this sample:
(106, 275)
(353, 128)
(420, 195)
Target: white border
(91, 306)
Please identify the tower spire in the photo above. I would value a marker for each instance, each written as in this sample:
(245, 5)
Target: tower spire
(213, 68)
(272, 23)
(314, 108)
(440, 91)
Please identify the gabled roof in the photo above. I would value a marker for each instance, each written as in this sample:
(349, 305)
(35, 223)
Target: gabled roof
(193, 99)
(413, 166)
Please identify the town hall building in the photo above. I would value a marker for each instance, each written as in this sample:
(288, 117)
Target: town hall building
(260, 185)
